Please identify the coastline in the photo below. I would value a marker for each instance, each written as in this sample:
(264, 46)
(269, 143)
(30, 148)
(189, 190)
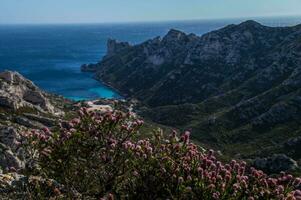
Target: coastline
(119, 93)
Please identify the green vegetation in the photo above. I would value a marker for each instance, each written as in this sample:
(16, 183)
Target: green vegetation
(237, 88)
(100, 156)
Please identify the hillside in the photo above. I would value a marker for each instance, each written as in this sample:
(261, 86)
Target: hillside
(53, 148)
(25, 107)
(237, 89)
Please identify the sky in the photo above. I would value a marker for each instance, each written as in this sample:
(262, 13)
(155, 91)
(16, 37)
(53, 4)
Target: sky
(106, 11)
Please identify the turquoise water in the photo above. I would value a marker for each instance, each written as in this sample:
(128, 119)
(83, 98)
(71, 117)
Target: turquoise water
(51, 55)
(81, 98)
(101, 91)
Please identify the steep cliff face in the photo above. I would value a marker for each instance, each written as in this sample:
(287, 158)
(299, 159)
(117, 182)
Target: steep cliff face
(180, 68)
(243, 80)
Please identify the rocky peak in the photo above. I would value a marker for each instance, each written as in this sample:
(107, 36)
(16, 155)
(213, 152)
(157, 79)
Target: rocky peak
(251, 24)
(174, 34)
(114, 46)
(14, 78)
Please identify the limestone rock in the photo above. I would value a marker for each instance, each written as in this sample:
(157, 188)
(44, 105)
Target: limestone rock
(28, 123)
(9, 160)
(49, 122)
(10, 137)
(114, 46)
(18, 92)
(11, 155)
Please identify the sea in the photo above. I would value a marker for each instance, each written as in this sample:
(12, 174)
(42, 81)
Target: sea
(51, 54)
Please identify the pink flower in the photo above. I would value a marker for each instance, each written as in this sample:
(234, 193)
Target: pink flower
(233, 162)
(280, 189)
(17, 143)
(200, 170)
(236, 187)
(46, 130)
(149, 149)
(138, 148)
(228, 167)
(216, 195)
(244, 184)
(140, 122)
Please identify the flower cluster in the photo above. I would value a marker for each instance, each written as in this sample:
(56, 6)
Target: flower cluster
(100, 156)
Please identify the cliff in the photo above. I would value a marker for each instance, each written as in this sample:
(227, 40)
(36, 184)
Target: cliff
(234, 87)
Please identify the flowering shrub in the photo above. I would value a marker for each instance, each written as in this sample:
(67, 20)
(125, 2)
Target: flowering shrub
(99, 157)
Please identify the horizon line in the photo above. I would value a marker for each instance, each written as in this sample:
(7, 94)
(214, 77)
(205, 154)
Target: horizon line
(154, 21)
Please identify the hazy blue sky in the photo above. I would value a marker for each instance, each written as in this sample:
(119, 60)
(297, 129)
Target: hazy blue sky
(71, 11)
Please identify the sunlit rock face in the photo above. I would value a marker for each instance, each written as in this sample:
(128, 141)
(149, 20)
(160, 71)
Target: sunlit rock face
(17, 92)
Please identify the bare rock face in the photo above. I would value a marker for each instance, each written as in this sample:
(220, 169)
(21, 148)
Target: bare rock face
(17, 92)
(114, 46)
(17, 97)
(11, 155)
(9, 160)
(10, 137)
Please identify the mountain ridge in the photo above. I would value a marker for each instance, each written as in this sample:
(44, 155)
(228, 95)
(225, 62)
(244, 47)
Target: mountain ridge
(239, 81)
(156, 58)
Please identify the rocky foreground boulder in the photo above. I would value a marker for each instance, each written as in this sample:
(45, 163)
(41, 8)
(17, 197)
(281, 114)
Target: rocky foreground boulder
(23, 106)
(18, 92)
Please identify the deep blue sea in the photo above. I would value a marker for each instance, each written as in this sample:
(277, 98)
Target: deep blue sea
(51, 55)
